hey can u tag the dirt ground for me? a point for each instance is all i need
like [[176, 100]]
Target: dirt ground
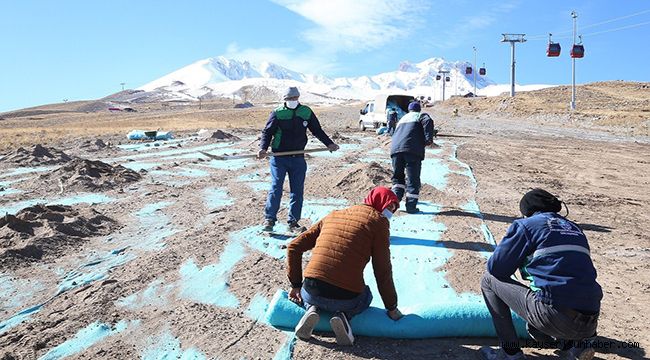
[[162, 228]]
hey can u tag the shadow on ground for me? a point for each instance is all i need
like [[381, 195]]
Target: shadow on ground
[[457, 348], [510, 219]]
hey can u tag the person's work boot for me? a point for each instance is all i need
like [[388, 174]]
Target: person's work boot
[[268, 225], [539, 336], [490, 353], [412, 210], [582, 350], [307, 323], [342, 330], [399, 192], [294, 227], [578, 353]]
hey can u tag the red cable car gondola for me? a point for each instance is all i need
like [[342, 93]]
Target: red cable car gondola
[[468, 70], [553, 49], [482, 70], [578, 51]]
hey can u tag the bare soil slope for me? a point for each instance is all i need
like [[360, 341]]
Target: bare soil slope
[[176, 225]]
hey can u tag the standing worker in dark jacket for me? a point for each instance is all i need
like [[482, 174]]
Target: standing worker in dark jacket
[[413, 133], [562, 301], [286, 130]]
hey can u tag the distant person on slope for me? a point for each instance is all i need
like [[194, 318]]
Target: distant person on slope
[[341, 245], [286, 130], [562, 302], [413, 133], [391, 120]]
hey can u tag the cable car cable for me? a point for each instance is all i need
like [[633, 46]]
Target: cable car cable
[[597, 32], [617, 29], [539, 37], [616, 19]]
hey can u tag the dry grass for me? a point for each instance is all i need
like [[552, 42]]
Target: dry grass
[[614, 103], [49, 128], [623, 105], [53, 123]]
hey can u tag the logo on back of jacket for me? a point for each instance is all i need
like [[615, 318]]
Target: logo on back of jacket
[[563, 226]]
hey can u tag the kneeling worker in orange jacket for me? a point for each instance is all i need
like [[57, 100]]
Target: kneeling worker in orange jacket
[[342, 243]]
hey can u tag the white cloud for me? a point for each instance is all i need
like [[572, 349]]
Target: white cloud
[[339, 26], [307, 62], [354, 26]]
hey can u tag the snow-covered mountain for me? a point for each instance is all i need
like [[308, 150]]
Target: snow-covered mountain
[[222, 77]]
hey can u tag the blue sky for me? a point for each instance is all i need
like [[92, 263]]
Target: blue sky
[[74, 49]]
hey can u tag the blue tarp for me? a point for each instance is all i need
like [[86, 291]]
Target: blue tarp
[[141, 135], [435, 320]]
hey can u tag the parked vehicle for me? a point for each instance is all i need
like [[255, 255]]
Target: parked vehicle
[[373, 115]]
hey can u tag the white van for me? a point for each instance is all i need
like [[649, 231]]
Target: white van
[[373, 115]]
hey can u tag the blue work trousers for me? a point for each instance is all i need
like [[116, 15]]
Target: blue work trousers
[[296, 168], [350, 307], [406, 178]]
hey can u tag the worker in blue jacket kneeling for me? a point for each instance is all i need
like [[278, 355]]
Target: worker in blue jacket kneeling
[[562, 301]]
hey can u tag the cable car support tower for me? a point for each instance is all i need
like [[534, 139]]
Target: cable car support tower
[[574, 15], [512, 39]]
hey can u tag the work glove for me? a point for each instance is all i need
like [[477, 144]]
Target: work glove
[[261, 154], [394, 314], [333, 147]]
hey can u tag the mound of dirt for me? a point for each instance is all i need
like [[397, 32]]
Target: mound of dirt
[[91, 146], [244, 105], [42, 231], [37, 155], [221, 135], [82, 174], [363, 177], [337, 137]]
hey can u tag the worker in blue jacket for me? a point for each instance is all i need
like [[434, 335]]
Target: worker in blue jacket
[[286, 130], [413, 133], [561, 304]]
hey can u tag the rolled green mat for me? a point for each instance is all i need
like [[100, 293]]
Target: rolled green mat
[[461, 319]]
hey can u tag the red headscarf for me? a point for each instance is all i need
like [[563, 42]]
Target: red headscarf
[[380, 197]]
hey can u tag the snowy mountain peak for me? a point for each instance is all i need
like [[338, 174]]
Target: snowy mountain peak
[[406, 66], [274, 71], [233, 69], [223, 77]]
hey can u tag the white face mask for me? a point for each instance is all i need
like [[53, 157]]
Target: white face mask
[[292, 104], [387, 214]]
